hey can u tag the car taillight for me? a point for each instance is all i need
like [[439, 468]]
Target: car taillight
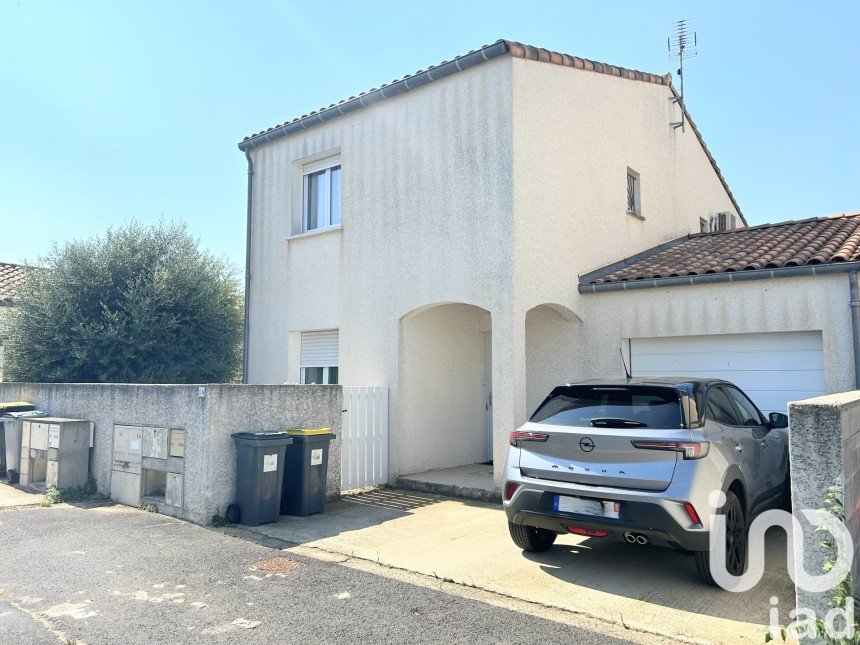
[[578, 530], [510, 489], [520, 435], [690, 449], [694, 516]]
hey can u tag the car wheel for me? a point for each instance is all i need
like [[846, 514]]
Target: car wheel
[[736, 542], [530, 538]]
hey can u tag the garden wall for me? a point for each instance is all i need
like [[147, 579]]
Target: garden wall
[[208, 415], [824, 450]]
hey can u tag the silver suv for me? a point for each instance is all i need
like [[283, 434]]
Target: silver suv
[[638, 459]]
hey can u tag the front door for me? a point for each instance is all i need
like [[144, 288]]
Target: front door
[[488, 393]]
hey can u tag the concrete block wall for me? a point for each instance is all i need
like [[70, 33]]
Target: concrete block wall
[[824, 450], [210, 456]]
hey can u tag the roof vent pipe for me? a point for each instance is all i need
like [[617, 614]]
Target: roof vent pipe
[[855, 324]]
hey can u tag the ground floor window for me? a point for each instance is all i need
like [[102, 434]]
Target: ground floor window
[[320, 375], [319, 357]]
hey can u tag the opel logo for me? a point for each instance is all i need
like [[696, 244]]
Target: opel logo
[[586, 444]]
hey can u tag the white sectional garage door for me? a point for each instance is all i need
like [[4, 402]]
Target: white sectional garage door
[[773, 368]]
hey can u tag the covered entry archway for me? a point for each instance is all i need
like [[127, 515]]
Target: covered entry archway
[[553, 351], [444, 388]]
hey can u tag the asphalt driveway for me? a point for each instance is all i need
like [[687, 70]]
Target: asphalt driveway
[[114, 574]]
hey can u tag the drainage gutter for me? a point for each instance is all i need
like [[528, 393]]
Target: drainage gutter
[[855, 324], [716, 278], [246, 334]]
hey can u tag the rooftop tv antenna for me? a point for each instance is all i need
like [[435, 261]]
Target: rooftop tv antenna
[[682, 44]]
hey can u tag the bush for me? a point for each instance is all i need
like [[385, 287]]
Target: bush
[[141, 304]]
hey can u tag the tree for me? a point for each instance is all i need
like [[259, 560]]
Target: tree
[[141, 304]]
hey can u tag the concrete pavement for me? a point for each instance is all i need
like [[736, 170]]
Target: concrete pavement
[[114, 574], [15, 496], [645, 588]]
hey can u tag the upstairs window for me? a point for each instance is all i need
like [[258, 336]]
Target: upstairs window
[[321, 195], [634, 204]]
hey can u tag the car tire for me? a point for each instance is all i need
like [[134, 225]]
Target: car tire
[[736, 542], [530, 538]]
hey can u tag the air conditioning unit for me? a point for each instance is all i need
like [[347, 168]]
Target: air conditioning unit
[[722, 221]]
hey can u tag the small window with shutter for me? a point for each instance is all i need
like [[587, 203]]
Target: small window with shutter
[[634, 204], [319, 357]]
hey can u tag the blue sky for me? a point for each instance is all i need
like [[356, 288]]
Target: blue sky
[[118, 110]]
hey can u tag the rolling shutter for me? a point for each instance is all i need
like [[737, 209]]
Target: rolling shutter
[[319, 348]]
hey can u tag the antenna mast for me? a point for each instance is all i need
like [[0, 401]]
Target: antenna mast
[[682, 44]]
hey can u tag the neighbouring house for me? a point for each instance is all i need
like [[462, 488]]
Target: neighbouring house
[[429, 235], [11, 277]]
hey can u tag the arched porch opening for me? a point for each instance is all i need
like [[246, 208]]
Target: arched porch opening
[[444, 388], [553, 352]]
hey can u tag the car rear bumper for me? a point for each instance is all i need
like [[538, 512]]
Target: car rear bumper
[[531, 506]]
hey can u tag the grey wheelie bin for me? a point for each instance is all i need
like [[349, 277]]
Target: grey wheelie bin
[[260, 475], [306, 472], [11, 415]]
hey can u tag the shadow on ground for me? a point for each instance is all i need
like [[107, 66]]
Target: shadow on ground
[[350, 513], [668, 578]]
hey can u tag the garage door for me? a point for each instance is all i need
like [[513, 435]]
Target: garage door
[[772, 368]]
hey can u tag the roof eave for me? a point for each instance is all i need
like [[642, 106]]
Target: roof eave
[[714, 278], [368, 98], [476, 57]]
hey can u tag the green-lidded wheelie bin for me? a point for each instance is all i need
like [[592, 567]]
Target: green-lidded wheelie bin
[[306, 471], [260, 475]]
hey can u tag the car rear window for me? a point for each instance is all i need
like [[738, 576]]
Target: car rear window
[[612, 406]]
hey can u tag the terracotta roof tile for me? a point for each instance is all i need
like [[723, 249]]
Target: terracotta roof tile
[[824, 240], [11, 277]]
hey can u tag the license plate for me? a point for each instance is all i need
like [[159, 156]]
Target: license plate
[[567, 504]]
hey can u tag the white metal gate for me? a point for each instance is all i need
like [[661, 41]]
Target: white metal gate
[[364, 441]]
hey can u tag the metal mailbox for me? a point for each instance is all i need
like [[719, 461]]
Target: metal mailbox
[[55, 452]]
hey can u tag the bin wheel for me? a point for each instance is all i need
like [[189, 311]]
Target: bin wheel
[[12, 476], [233, 513]]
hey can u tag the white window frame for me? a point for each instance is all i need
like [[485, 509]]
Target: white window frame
[[326, 373], [326, 165], [637, 193]]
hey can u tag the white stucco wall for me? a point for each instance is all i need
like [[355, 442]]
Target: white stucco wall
[[787, 304], [575, 135], [494, 187], [426, 210]]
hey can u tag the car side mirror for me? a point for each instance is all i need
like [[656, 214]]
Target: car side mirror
[[778, 420]]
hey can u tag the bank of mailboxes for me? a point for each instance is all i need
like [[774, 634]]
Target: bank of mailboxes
[[55, 452], [148, 466]]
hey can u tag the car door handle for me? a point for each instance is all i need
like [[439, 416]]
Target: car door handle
[[739, 447]]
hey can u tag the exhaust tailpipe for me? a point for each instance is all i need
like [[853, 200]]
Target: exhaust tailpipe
[[630, 537], [635, 538], [641, 539]]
